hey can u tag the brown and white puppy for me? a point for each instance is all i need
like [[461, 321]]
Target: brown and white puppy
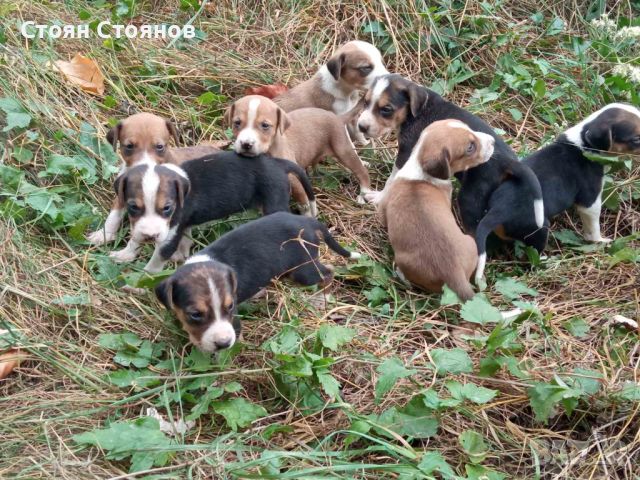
[[143, 138], [304, 136], [430, 249], [353, 67]]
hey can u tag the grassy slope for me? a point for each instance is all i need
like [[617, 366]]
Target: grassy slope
[[62, 390]]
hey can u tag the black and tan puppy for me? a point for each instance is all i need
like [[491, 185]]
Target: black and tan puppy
[[143, 138], [395, 103], [165, 201], [204, 292], [567, 177]]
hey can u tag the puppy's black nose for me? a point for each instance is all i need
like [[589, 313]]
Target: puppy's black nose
[[149, 238], [222, 344], [363, 128], [246, 145]]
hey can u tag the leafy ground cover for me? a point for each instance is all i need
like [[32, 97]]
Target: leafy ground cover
[[372, 381]]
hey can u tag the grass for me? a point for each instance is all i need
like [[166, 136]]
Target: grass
[[375, 381]]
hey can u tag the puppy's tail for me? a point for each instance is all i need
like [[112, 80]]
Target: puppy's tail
[[291, 167], [333, 244], [530, 182], [492, 220]]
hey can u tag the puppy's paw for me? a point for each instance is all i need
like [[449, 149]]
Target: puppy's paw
[[597, 238], [360, 140], [373, 197], [124, 255], [360, 200], [365, 163], [480, 282], [179, 256], [133, 290], [100, 237]]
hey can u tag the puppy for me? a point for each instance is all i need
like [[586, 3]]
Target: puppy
[[335, 86], [304, 136], [567, 177], [204, 292], [395, 103], [143, 138], [165, 201], [430, 249]]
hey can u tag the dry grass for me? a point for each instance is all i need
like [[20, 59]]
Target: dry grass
[[61, 390]]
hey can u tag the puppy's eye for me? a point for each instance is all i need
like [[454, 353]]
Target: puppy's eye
[[365, 70], [128, 148], [386, 111], [133, 209], [159, 148], [471, 148], [195, 317], [167, 210], [265, 126], [635, 140], [230, 306], [237, 123]]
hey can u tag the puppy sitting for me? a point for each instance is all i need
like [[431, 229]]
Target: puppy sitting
[[304, 136], [567, 177], [165, 201], [144, 138], [204, 292], [396, 103], [430, 249]]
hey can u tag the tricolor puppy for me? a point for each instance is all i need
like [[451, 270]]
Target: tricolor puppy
[[567, 176], [204, 292], [165, 201], [143, 138], [430, 249], [395, 103], [304, 136], [335, 86]]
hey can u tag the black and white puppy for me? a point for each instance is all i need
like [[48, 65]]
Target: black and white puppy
[[567, 177], [165, 201], [396, 103], [204, 292]]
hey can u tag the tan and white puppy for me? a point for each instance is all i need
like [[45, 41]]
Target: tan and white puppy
[[304, 136], [143, 138], [354, 66], [430, 249]]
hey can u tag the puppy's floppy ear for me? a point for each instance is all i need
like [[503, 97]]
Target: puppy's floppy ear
[[228, 115], [598, 136], [283, 121], [183, 185], [438, 167], [418, 96], [113, 135], [233, 281], [164, 292], [120, 186], [334, 65], [173, 130]]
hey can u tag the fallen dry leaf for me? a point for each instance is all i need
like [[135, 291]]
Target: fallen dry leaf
[[9, 360], [269, 91], [83, 72]]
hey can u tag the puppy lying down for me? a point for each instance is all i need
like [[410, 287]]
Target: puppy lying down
[[204, 292]]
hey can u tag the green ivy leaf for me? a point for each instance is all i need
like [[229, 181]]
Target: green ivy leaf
[[473, 445], [334, 336], [479, 310], [588, 381], [238, 412], [630, 391], [478, 472], [449, 297], [17, 120], [204, 401], [22, 155], [577, 327], [329, 384], [117, 341], [454, 360], [415, 421], [391, 370], [512, 289], [435, 462], [470, 391], [544, 397], [133, 378], [140, 439]]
